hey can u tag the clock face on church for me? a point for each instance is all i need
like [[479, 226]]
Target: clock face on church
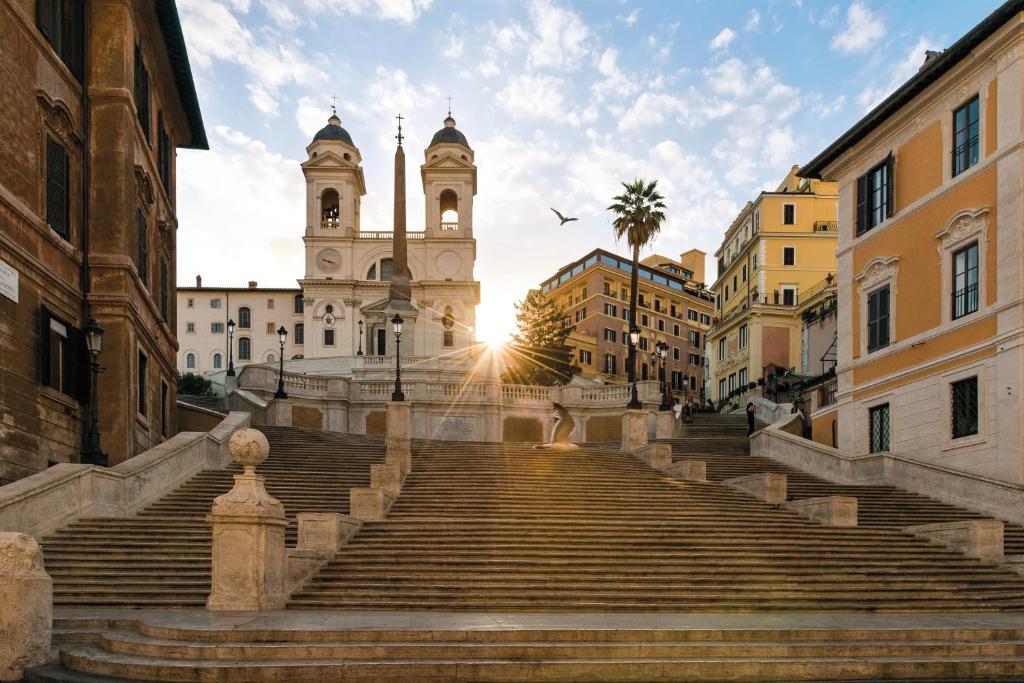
[[328, 260]]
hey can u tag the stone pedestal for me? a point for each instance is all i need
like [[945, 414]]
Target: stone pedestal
[[249, 569], [767, 486], [634, 430], [398, 436], [370, 504], [976, 537], [325, 531], [26, 606], [665, 424], [689, 470], [387, 476], [828, 510], [657, 455]]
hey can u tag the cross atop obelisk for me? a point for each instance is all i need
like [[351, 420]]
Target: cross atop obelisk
[[400, 288]]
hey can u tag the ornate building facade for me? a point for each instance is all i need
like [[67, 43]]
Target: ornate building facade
[[94, 99], [349, 270]]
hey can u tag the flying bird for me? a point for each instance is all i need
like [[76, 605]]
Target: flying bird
[[563, 218]]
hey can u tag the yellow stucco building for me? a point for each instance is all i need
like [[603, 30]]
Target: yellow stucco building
[[778, 251], [930, 260]]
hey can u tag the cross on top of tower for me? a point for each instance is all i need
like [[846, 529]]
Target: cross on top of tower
[[334, 103], [399, 136], [450, 98]]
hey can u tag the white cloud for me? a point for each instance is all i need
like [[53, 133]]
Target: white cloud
[[722, 40], [753, 20], [488, 68], [824, 109], [560, 36], [899, 73], [509, 37], [615, 82], [631, 18], [653, 109], [281, 14], [310, 116], [271, 62], [404, 11], [454, 47], [863, 29], [535, 96], [261, 233]]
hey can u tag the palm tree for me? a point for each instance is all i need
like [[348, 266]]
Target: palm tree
[[638, 214]]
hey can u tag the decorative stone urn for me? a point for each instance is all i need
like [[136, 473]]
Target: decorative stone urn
[[26, 606], [249, 561]]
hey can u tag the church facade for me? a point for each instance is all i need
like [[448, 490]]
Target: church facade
[[346, 291]]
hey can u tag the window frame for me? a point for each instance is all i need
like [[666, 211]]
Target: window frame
[[790, 250], [866, 210], [883, 408], [792, 207], [967, 155], [965, 291], [878, 345], [965, 387]]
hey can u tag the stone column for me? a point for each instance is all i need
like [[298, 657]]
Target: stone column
[[398, 436], [248, 536], [634, 430], [665, 424], [26, 606]]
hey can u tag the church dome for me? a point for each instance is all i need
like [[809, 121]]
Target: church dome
[[449, 134], [334, 131]]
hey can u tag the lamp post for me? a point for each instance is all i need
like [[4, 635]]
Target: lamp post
[[666, 397], [231, 344], [93, 454], [282, 336], [359, 351], [634, 339], [397, 394]]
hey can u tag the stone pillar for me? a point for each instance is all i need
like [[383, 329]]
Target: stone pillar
[[828, 510], [26, 606], [248, 570], [634, 430], [398, 435], [665, 424], [689, 470], [975, 537], [767, 486]]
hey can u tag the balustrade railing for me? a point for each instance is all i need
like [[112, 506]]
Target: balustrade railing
[[387, 235], [446, 225]]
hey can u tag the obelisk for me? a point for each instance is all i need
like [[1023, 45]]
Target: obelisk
[[400, 288]]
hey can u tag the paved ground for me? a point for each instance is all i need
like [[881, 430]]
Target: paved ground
[[321, 620]]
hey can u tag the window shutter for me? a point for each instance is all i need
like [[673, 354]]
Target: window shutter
[[44, 346], [862, 204], [45, 17], [74, 37], [57, 187], [890, 163]]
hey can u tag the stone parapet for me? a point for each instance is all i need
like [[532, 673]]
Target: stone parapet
[[370, 504], [657, 455], [387, 476], [981, 538], [840, 511], [634, 430], [688, 470], [665, 424], [767, 486], [26, 606]]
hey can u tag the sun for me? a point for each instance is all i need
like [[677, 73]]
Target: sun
[[493, 338]]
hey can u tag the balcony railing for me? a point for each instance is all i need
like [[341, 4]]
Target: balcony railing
[[826, 226], [330, 223], [387, 235], [449, 225], [827, 393]]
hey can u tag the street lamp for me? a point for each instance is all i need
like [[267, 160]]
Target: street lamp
[[359, 351], [397, 394], [93, 454], [666, 397], [634, 339], [231, 344], [282, 337]]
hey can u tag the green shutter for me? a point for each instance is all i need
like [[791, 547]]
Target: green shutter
[[862, 204], [57, 187]]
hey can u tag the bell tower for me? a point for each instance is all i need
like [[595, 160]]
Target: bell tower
[[334, 182], [449, 184]]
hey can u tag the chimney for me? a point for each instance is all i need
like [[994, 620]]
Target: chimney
[[929, 55], [199, 280], [252, 284]]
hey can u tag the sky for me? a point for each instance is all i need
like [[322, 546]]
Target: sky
[[560, 100]]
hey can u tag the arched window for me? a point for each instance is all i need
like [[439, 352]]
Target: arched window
[[385, 269], [299, 307], [217, 361], [329, 215], [190, 361], [299, 336], [448, 323], [449, 210], [244, 318], [244, 348]]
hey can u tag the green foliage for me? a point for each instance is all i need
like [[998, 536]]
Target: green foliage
[[638, 213], [193, 384], [538, 353]]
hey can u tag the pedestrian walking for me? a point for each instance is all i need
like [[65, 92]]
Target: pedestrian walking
[[750, 418]]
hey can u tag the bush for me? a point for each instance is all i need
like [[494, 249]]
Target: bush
[[193, 384]]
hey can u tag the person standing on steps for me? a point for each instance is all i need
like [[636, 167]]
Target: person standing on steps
[[750, 418]]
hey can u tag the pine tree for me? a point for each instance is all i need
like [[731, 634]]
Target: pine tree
[[538, 353]]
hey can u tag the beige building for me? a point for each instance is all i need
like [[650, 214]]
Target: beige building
[[675, 308], [348, 270], [778, 251], [257, 312]]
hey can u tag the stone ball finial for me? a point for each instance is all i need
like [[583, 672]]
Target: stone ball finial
[[249, 447]]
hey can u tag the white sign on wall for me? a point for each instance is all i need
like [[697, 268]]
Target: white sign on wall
[[8, 282]]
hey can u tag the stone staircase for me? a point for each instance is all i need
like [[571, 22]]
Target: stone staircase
[[160, 558], [506, 527], [721, 441], [439, 647]]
